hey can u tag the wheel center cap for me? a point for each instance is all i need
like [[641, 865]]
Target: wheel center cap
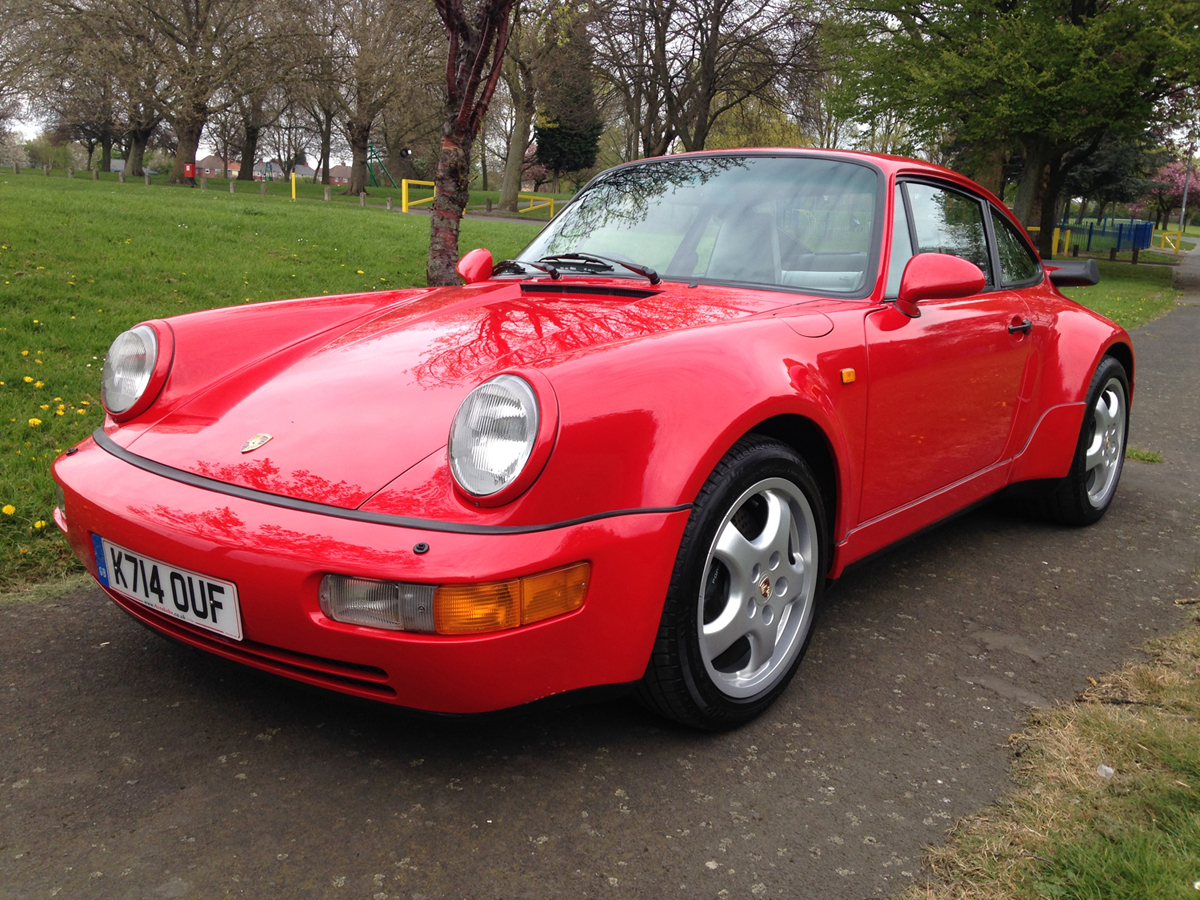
[[764, 588]]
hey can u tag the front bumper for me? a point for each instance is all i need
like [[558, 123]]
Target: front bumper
[[277, 557]]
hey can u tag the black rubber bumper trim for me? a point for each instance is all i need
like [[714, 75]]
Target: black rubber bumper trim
[[323, 509]]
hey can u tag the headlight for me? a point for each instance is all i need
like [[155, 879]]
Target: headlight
[[128, 367], [493, 434]]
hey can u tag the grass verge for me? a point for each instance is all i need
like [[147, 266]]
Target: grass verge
[[81, 261], [1129, 295], [1109, 799], [1146, 456]]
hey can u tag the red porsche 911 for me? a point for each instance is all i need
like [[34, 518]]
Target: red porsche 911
[[630, 458]]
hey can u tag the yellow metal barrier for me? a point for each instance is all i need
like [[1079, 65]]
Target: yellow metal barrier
[[405, 203], [546, 201], [1171, 239], [1033, 231]]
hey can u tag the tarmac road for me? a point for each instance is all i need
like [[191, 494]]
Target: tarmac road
[[130, 767]]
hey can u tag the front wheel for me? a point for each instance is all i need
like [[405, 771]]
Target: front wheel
[[740, 605], [1084, 495]]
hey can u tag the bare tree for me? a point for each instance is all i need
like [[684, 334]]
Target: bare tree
[[477, 31], [680, 65]]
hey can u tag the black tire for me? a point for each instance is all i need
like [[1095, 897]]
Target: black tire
[[743, 583], [1084, 495]]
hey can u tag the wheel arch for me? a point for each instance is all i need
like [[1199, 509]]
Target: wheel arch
[[812, 444], [1123, 353]]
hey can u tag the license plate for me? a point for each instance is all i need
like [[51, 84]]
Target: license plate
[[197, 599]]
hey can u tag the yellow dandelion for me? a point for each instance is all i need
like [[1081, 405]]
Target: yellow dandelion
[[39, 524], [45, 406], [24, 550], [38, 361], [85, 403], [24, 352], [28, 380], [58, 412], [80, 412], [8, 509], [34, 423], [58, 399], [361, 272], [39, 384]]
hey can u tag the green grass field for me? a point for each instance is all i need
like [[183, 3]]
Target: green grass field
[[81, 261], [1129, 295]]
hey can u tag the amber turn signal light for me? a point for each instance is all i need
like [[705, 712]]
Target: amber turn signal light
[[479, 608], [553, 593]]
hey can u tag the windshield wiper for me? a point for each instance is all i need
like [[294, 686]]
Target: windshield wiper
[[603, 261], [518, 267]]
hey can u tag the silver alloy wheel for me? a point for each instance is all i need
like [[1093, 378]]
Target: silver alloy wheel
[[1106, 449], [756, 595]]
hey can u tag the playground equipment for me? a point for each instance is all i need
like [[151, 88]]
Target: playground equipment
[[373, 157]]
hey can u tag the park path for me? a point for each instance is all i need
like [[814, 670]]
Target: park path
[[133, 768]]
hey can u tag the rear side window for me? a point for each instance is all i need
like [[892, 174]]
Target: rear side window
[[946, 221], [1017, 264]]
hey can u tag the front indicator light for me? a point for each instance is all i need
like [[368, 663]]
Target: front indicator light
[[475, 608], [553, 593], [454, 608]]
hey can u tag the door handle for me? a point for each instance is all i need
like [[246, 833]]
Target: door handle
[[1025, 326]]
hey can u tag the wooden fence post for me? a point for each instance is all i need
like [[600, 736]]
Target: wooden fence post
[[203, 183], [389, 204], [233, 185], [70, 171], [328, 193], [147, 179], [121, 177], [46, 171], [16, 168], [262, 187], [362, 198], [95, 174]]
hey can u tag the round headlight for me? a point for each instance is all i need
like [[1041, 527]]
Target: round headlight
[[493, 435], [128, 367]]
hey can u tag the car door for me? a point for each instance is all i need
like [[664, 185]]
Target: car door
[[944, 386]]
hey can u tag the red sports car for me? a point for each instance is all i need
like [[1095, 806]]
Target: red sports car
[[629, 458]]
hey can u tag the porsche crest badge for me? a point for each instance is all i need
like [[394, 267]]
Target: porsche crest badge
[[765, 588], [255, 442]]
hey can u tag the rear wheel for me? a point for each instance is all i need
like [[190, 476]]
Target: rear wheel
[[740, 605], [1085, 494]]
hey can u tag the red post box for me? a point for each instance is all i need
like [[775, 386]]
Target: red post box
[[189, 170]]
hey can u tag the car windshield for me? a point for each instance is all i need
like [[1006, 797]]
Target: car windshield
[[795, 222]]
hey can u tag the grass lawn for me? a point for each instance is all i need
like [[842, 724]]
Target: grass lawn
[[81, 261], [1129, 295]]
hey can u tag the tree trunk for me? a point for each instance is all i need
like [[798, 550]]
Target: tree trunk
[[483, 154], [1047, 223], [137, 152], [358, 136], [520, 89], [1029, 185], [1083, 205], [448, 206], [249, 151], [106, 154], [326, 141], [188, 129]]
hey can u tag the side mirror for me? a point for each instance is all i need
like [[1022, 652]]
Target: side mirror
[[476, 266], [937, 276]]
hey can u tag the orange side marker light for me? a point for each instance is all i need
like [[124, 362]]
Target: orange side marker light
[[847, 376]]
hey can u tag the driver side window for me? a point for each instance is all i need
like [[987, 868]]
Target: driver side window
[[946, 221]]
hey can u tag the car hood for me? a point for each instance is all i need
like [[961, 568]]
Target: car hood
[[355, 411]]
